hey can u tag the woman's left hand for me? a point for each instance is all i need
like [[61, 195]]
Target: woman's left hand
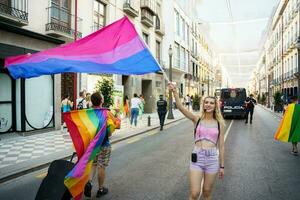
[[221, 173]]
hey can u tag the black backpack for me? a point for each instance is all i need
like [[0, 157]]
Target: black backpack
[[80, 104]]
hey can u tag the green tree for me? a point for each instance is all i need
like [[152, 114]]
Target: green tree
[[106, 86], [277, 101]]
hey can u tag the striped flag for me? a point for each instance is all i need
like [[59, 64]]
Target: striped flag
[[87, 129], [114, 49], [289, 129]]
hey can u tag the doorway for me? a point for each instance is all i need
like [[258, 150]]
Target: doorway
[[147, 93]]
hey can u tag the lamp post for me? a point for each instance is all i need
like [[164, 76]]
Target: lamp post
[[170, 113], [298, 74]]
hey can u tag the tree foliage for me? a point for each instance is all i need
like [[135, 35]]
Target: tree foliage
[[106, 87]]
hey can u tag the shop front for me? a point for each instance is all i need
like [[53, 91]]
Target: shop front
[[27, 105]]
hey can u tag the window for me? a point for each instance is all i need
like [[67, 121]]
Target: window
[[99, 16], [146, 38], [182, 58], [60, 12], [183, 28], [177, 23], [177, 56], [158, 51]]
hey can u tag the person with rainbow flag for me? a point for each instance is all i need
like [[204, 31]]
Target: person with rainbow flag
[[289, 128], [89, 130], [102, 159]]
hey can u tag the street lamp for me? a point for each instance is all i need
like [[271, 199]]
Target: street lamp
[[170, 114], [298, 74]]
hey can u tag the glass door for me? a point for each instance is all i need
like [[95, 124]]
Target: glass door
[[6, 103]]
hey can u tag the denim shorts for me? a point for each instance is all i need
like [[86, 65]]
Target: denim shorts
[[207, 160]]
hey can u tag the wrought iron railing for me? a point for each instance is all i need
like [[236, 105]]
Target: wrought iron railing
[[16, 8], [60, 20]]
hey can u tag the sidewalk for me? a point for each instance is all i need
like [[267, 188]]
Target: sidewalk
[[19, 155], [278, 114]]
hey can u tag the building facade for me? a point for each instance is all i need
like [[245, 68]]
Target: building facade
[[281, 52], [26, 28], [26, 104]]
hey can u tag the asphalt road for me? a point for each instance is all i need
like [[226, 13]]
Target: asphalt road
[[155, 166]]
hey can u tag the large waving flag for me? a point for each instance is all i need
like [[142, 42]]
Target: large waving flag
[[289, 129], [87, 129], [114, 49]]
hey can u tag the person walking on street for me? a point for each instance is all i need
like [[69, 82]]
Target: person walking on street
[[294, 144], [142, 106], [161, 110], [88, 100], [81, 101], [102, 159], [135, 104], [126, 107], [206, 160], [66, 104], [250, 104]]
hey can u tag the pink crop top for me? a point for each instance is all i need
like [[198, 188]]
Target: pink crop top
[[207, 133]]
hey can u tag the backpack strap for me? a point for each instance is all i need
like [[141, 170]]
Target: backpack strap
[[219, 131], [196, 127]]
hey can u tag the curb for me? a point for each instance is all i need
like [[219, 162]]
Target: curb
[[278, 115], [24, 171]]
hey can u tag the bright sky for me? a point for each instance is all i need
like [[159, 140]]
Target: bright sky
[[228, 39]]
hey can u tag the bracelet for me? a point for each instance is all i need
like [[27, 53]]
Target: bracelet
[[221, 167]]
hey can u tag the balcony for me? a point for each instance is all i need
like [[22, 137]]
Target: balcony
[[129, 9], [149, 5], [147, 18], [159, 27], [61, 23], [14, 11]]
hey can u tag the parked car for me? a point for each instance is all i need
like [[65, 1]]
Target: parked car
[[232, 102]]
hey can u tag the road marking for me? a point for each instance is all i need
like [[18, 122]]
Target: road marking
[[226, 134], [42, 175], [152, 133], [133, 140]]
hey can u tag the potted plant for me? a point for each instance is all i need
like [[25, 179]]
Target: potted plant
[[277, 101]]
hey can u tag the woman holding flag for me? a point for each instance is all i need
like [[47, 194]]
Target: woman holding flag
[[206, 160]]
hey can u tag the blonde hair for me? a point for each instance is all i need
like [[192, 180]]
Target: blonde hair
[[88, 97], [217, 112]]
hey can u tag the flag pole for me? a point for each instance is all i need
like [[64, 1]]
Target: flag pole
[[75, 74]]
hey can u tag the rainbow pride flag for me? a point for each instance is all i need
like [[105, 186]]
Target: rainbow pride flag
[[289, 129], [87, 129], [114, 49]]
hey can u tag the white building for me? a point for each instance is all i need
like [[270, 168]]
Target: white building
[[281, 51]]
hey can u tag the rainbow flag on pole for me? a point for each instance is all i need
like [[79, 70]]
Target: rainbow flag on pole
[[289, 129], [87, 129], [114, 49]]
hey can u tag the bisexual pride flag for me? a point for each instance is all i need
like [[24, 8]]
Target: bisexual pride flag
[[114, 49], [87, 129], [289, 129]]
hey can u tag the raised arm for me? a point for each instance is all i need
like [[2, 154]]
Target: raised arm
[[182, 109]]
